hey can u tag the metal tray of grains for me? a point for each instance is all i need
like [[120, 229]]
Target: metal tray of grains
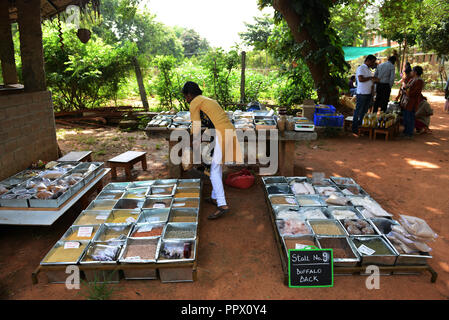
[[285, 209], [102, 205], [279, 189], [112, 233], [110, 195], [282, 200], [157, 203], [176, 231], [9, 199], [58, 255], [297, 242], [343, 212], [173, 251], [327, 227], [51, 203], [271, 180], [140, 251], [310, 201], [184, 215], [384, 253], [132, 204], [162, 191], [117, 186], [190, 192], [186, 203], [89, 217], [146, 230], [344, 253], [141, 184], [123, 216], [154, 215], [307, 213], [327, 191], [352, 190], [323, 183], [343, 181], [136, 193], [72, 233], [293, 228]]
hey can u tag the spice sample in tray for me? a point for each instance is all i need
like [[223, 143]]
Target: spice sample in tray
[[148, 230], [157, 203], [187, 193], [283, 200], [188, 184], [183, 216], [92, 217], [298, 243], [358, 227], [110, 233], [185, 204], [373, 243], [340, 247], [62, 254], [138, 193], [123, 216], [179, 232], [102, 205], [162, 190], [110, 195], [82, 233], [141, 250], [330, 228]]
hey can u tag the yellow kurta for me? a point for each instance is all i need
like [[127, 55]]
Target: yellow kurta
[[221, 123]]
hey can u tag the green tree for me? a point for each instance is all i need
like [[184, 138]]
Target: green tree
[[434, 27], [319, 45], [257, 33], [193, 43]]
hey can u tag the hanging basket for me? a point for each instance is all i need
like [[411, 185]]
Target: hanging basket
[[83, 35]]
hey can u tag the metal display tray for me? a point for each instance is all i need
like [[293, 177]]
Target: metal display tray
[[280, 223], [277, 208], [51, 203], [103, 245], [299, 238], [284, 189], [303, 211], [159, 195], [61, 244], [116, 186], [274, 179], [180, 226], [138, 191], [136, 226], [98, 238], [342, 180], [177, 201], [128, 204], [140, 184], [330, 209], [298, 179], [190, 211], [181, 242], [362, 192], [122, 258], [162, 182], [14, 203], [344, 262], [319, 202], [149, 202], [324, 183], [404, 259], [387, 260], [154, 215], [71, 230], [370, 223], [383, 225], [183, 181], [110, 195], [311, 222], [293, 200], [102, 205], [92, 213]]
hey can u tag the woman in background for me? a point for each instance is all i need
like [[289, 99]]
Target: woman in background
[[412, 98], [405, 78], [446, 95]]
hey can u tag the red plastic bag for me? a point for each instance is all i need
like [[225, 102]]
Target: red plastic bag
[[242, 179]]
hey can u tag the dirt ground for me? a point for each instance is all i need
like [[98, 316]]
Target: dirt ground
[[238, 257]]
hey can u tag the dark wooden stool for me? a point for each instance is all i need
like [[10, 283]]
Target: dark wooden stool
[[77, 156], [366, 130], [388, 132], [127, 160]]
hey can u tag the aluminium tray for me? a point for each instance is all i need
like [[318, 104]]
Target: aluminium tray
[[154, 215], [102, 205], [298, 179], [303, 199], [150, 202], [123, 228], [298, 238], [92, 246], [160, 259], [274, 179], [385, 259], [128, 204], [376, 232], [279, 226], [155, 187], [136, 193], [140, 225], [278, 189], [342, 180], [51, 203], [129, 242], [180, 202], [404, 259], [59, 244], [140, 184], [103, 215], [180, 226], [331, 209], [362, 192], [312, 222], [290, 200], [346, 262], [74, 229], [116, 186], [189, 212], [109, 195]]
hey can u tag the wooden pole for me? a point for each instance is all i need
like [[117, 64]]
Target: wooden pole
[[9, 70], [31, 50], [143, 94], [242, 78]]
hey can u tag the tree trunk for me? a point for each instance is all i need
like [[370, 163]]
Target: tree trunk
[[9, 71], [242, 78], [327, 92], [143, 94]]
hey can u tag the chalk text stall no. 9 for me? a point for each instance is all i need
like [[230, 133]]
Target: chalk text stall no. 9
[[310, 268]]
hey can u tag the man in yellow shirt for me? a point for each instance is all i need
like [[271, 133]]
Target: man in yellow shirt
[[226, 148]]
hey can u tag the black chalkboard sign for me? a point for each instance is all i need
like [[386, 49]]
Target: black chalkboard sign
[[310, 268]]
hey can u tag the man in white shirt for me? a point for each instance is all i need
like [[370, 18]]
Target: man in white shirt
[[385, 72], [365, 80]]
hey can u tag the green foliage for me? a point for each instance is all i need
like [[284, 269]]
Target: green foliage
[[83, 75], [97, 290], [434, 29], [193, 43], [257, 34]]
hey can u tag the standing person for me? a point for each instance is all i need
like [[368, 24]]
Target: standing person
[[352, 87], [412, 98], [223, 143], [446, 95], [385, 72], [405, 78], [365, 81]]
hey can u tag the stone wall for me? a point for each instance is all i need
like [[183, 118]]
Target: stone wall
[[27, 131]]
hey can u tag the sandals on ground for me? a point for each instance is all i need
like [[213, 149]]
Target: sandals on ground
[[211, 201], [221, 212]]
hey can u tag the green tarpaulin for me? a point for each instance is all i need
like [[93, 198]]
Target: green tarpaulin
[[352, 53]]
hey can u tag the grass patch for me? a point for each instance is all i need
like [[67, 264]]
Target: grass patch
[[100, 152], [87, 140], [158, 147], [97, 290]]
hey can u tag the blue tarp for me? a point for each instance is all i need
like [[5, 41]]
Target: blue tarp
[[352, 53]]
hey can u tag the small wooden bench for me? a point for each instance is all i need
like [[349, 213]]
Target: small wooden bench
[[389, 132], [127, 160], [77, 156], [366, 130]]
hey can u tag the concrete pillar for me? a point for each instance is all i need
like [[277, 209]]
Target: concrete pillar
[[31, 50], [9, 70]]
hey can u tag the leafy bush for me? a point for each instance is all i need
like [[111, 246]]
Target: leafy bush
[[83, 75]]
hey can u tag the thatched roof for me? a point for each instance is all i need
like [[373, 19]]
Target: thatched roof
[[49, 8]]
